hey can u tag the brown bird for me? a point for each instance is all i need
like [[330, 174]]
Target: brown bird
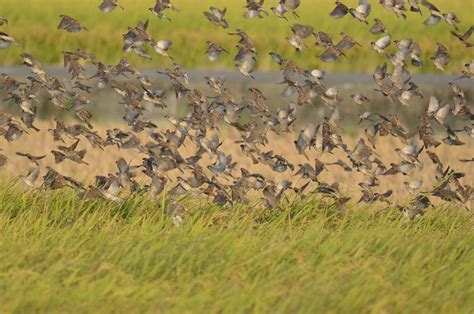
[[369, 196], [359, 99], [214, 51], [6, 40], [70, 24], [464, 38], [31, 158], [3, 160]]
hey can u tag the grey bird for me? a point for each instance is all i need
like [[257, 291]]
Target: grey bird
[[413, 186], [381, 44], [331, 53], [160, 7], [255, 9], [217, 17], [346, 42], [395, 6], [414, 6], [362, 11], [416, 208], [452, 139], [435, 14], [31, 177], [109, 5], [280, 10], [291, 6], [161, 47], [378, 27], [339, 11], [441, 57]]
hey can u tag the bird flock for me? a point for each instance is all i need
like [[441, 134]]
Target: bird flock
[[157, 150]]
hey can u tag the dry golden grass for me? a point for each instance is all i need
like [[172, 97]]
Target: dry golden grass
[[103, 162]]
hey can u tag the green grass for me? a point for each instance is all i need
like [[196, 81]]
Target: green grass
[[59, 253], [34, 23]]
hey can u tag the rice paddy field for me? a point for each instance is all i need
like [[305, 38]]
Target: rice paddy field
[[34, 24], [60, 254]]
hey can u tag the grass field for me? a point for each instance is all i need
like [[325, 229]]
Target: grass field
[[34, 24], [59, 253]]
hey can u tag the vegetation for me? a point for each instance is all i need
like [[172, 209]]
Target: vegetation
[[59, 253], [34, 24]]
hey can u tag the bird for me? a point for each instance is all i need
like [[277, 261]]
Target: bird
[[395, 6], [161, 47], [214, 51], [381, 44], [339, 11], [33, 159], [6, 40], [331, 53], [3, 160], [362, 11], [378, 27], [291, 6], [359, 99], [160, 7], [255, 9], [416, 208], [31, 177], [70, 24], [464, 37], [441, 57], [108, 6], [217, 17], [346, 42]]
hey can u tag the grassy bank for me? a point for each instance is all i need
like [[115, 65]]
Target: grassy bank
[[34, 24], [59, 253]]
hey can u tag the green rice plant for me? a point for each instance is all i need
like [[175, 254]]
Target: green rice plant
[[60, 253]]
